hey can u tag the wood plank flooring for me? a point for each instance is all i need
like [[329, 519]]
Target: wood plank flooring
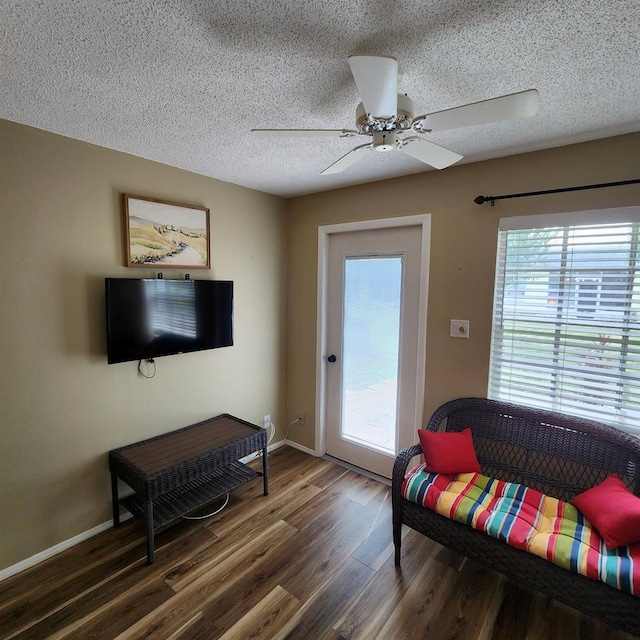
[[312, 561]]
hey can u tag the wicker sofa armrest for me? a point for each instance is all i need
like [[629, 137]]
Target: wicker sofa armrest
[[399, 470], [402, 462]]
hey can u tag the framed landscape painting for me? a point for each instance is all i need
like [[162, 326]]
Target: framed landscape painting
[[165, 234]]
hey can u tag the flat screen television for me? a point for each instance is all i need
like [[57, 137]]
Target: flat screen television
[[152, 318]]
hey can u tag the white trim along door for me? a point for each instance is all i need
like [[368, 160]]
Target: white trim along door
[[373, 279]]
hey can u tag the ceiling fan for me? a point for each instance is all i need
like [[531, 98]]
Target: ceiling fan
[[386, 117]]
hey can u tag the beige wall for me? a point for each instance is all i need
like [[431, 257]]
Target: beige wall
[[62, 408], [463, 246]]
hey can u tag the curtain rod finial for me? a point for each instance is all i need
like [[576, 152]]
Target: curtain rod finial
[[480, 200]]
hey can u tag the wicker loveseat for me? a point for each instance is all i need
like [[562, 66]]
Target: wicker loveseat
[[556, 454]]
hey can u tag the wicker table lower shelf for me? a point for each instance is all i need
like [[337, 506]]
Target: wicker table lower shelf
[[178, 472], [178, 502]]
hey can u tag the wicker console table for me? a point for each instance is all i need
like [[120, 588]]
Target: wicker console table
[[178, 472]]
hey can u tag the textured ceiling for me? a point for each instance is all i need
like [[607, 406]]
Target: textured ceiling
[[183, 81]]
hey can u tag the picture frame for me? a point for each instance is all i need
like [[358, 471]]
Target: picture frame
[[161, 233]]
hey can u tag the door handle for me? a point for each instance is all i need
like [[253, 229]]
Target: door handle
[[331, 359]]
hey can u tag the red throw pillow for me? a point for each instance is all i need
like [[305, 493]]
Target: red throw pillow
[[612, 510], [449, 452]]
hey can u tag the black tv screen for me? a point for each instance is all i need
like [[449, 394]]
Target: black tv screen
[[151, 318]]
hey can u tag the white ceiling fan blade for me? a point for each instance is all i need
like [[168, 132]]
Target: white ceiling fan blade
[[347, 160], [429, 152], [510, 107], [377, 81], [288, 133]]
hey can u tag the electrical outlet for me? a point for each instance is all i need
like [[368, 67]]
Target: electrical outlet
[[266, 421]]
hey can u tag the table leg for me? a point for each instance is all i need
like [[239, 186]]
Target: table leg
[[150, 532], [265, 471], [114, 500]]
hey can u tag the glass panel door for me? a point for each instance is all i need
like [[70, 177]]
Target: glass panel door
[[375, 319], [372, 302]]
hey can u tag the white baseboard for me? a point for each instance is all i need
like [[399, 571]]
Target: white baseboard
[[58, 548], [256, 454], [81, 537], [300, 447], [277, 445]]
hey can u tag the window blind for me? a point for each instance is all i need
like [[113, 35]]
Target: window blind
[[566, 320]]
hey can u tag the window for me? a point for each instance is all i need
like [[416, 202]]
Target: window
[[566, 319]]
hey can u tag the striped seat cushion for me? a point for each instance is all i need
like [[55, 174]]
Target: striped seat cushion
[[423, 487], [528, 520], [470, 499], [516, 515], [465, 497]]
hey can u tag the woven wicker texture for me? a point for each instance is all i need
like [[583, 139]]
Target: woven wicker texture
[[158, 465], [192, 496], [178, 472], [557, 454]]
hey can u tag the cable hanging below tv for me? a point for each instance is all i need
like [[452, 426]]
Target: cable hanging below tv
[[151, 318]]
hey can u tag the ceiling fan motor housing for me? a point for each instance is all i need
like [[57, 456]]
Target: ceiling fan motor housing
[[368, 125]]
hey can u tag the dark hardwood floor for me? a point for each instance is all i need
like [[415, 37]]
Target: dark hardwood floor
[[313, 560]]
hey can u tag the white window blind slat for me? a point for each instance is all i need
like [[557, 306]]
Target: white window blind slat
[[566, 320]]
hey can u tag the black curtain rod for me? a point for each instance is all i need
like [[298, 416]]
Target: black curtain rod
[[492, 199]]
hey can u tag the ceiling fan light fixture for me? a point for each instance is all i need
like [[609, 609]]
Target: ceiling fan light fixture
[[384, 141]]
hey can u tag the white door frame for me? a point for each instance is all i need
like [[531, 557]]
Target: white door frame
[[324, 233]]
